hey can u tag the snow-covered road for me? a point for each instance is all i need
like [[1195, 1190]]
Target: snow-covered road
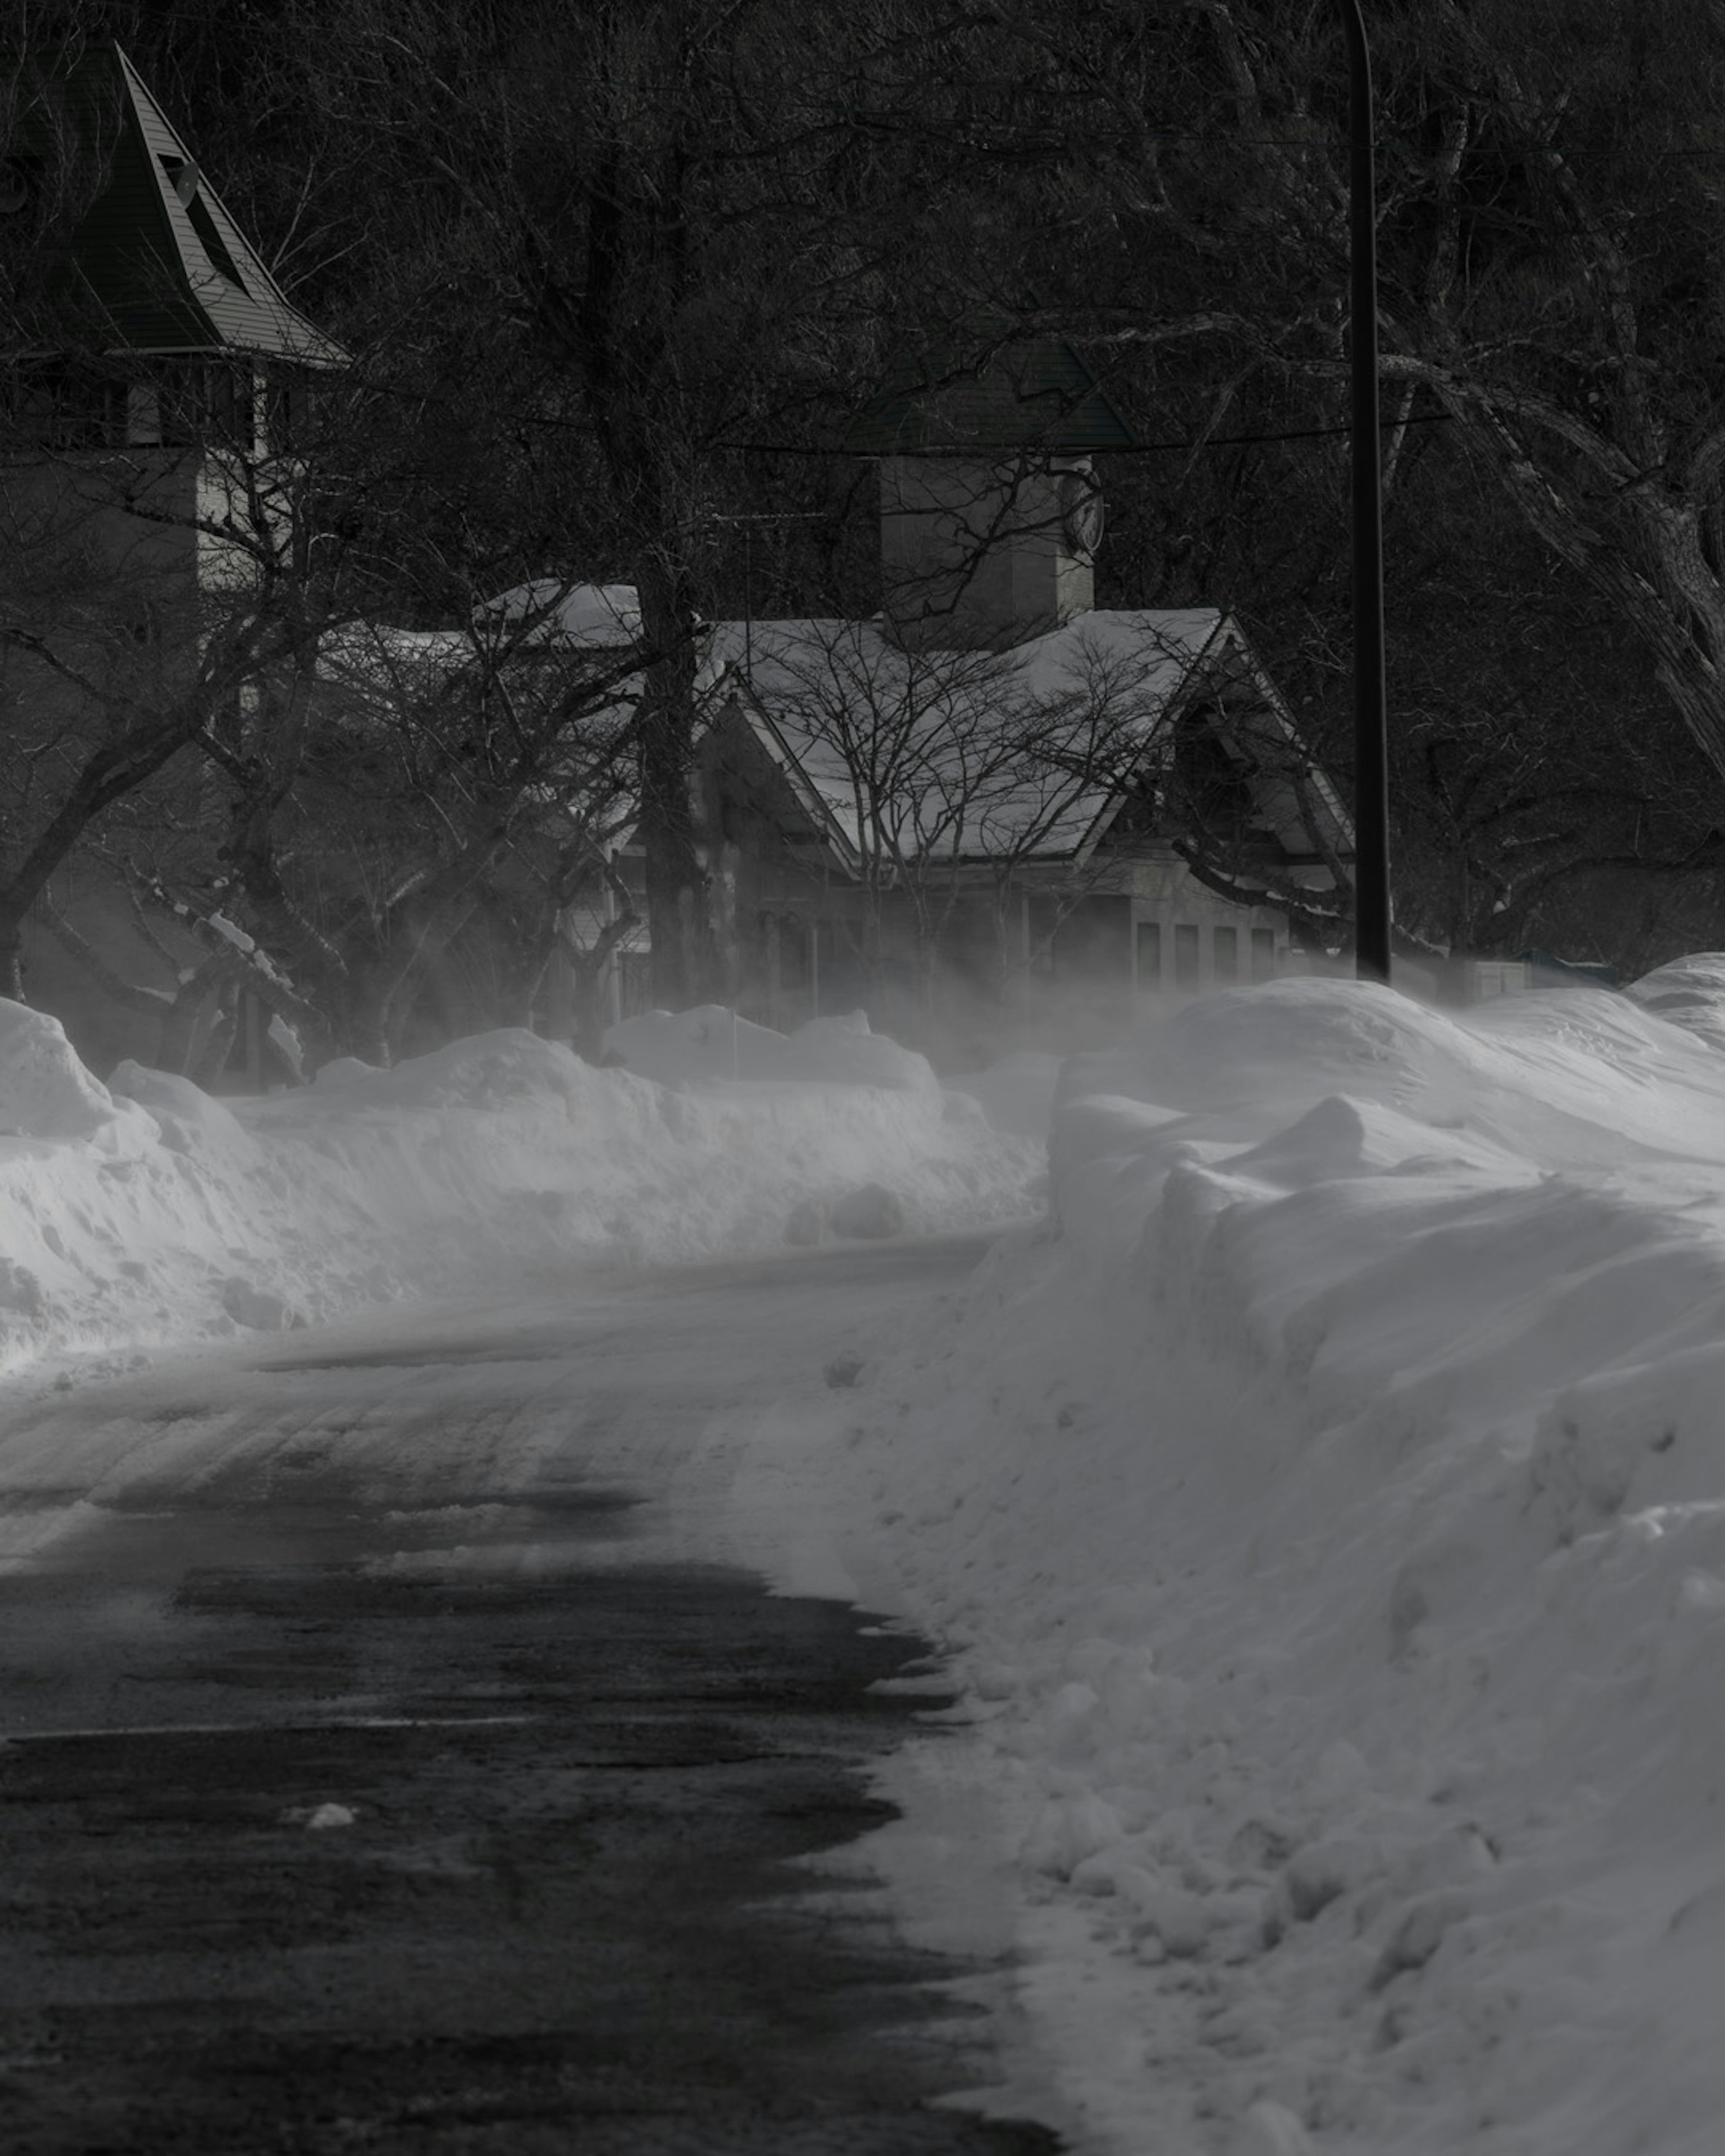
[[709, 1392], [455, 1596], [1318, 1498]]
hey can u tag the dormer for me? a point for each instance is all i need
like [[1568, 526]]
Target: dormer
[[157, 323], [991, 512]]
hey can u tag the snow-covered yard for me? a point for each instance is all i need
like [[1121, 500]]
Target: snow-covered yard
[[1324, 1503]]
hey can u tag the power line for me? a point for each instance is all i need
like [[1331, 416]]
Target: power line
[[1126, 450]]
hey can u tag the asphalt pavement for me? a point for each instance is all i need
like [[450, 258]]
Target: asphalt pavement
[[376, 1777]]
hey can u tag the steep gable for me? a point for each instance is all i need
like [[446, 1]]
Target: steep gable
[[910, 754], [156, 263]]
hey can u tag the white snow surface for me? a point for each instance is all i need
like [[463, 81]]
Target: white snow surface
[[144, 1213], [1326, 1508], [1324, 1505]]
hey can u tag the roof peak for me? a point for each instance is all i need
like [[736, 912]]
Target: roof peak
[[156, 263]]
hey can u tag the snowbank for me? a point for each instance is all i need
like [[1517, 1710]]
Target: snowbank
[[683, 1047], [144, 1212], [1329, 1507]]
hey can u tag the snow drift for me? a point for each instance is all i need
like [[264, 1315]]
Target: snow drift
[[1328, 1506], [144, 1212]]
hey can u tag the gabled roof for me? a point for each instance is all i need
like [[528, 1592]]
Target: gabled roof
[[156, 263], [551, 614], [891, 751], [994, 392]]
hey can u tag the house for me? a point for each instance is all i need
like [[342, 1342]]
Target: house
[[992, 798]]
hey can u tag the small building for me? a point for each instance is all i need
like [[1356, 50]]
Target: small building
[[163, 370], [156, 397]]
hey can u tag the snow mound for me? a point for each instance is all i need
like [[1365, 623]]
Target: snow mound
[[694, 1046], [151, 1213], [1016, 1094], [586, 615], [189, 1120], [485, 1070], [1264, 1052], [45, 1092], [1329, 1513], [1689, 993]]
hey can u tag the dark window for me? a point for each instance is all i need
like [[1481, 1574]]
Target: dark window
[[184, 180], [205, 401], [1094, 941], [288, 407], [1263, 954], [1042, 924], [1148, 940], [1224, 953], [794, 939], [1211, 791], [1137, 818], [68, 404], [1185, 955], [233, 412], [829, 967]]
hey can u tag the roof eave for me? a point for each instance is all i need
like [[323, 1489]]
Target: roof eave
[[809, 796]]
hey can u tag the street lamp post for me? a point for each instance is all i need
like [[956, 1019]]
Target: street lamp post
[[1371, 751]]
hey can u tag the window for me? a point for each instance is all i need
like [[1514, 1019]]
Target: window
[[1147, 954], [143, 414], [1042, 921], [1212, 791], [792, 933], [288, 410], [68, 404], [1263, 954], [1224, 953], [185, 181], [820, 958], [202, 401], [1185, 955]]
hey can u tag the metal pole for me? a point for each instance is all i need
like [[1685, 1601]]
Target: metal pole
[[1371, 748]]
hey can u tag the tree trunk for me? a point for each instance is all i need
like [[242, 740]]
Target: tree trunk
[[679, 908], [11, 956]]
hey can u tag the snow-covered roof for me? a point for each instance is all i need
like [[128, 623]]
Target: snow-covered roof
[[548, 611], [980, 754], [548, 615]]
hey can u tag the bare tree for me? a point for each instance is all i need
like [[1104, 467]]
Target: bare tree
[[119, 651], [439, 779], [955, 781]]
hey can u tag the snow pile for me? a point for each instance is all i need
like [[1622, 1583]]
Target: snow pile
[[681, 1047], [1328, 1505], [145, 1211], [549, 612], [1017, 1093]]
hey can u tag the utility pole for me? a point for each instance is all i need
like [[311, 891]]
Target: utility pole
[[1371, 743]]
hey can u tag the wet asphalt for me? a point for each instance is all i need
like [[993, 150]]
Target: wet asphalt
[[311, 1843]]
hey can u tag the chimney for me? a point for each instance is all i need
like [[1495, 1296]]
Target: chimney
[[980, 555], [990, 510]]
